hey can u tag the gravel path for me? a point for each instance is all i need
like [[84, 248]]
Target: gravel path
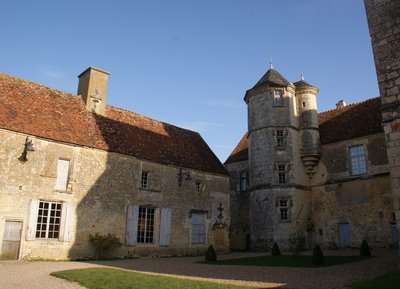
[[35, 275]]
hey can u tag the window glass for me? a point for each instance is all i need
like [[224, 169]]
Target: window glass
[[145, 229], [357, 160], [49, 220]]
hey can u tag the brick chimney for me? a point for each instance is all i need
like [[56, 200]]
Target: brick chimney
[[341, 103], [92, 88]]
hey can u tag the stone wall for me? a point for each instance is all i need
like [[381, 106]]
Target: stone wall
[[99, 190], [384, 26], [239, 232], [361, 201]]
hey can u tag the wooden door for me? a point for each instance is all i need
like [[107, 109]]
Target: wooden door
[[11, 240], [344, 235]]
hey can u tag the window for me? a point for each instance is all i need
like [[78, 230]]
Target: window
[[357, 160], [145, 227], [145, 180], [280, 139], [198, 228], [199, 186], [48, 220], [284, 210], [62, 175], [243, 181], [278, 97], [282, 173]]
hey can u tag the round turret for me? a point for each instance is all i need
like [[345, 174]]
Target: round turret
[[306, 95]]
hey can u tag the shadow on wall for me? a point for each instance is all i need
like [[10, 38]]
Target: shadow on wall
[[115, 180]]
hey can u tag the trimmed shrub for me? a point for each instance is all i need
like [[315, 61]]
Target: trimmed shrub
[[211, 256], [297, 243], [318, 257], [103, 243], [275, 250], [365, 250]]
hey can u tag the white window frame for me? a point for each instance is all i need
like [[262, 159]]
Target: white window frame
[[357, 160], [146, 225], [37, 225], [278, 97], [198, 186]]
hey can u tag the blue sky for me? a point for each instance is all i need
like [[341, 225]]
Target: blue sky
[[189, 63]]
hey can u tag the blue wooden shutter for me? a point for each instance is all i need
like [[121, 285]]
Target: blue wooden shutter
[[165, 227], [131, 225]]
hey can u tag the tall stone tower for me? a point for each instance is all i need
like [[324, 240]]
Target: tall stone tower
[[384, 27], [283, 142]]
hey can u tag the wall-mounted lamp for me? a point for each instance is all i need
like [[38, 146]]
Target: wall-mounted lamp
[[183, 177], [28, 146]]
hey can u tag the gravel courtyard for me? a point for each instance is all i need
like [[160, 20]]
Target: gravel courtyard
[[35, 275]]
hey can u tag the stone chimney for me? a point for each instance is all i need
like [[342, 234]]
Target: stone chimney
[[92, 88], [341, 103]]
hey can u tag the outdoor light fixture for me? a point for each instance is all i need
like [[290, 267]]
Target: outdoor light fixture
[[28, 146], [183, 177]]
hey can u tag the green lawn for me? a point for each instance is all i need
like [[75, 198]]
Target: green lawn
[[386, 281], [105, 278], [288, 261]]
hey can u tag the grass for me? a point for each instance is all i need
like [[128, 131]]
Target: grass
[[105, 278], [386, 281], [288, 261]]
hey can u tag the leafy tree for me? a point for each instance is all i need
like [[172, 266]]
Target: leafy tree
[[297, 243], [103, 243]]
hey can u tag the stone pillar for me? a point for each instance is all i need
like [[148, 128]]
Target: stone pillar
[[384, 27]]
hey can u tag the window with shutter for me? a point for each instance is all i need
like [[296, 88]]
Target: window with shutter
[[198, 228], [62, 175], [165, 226]]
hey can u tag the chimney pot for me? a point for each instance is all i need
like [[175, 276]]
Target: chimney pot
[[341, 103]]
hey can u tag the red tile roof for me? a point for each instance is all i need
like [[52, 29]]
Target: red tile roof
[[351, 121], [37, 110]]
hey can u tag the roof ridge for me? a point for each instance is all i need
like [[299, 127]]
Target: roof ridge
[[38, 84], [350, 104], [150, 118]]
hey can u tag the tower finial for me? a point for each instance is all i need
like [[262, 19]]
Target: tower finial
[[270, 63], [302, 76]]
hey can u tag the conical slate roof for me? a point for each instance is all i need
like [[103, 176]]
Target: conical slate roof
[[302, 83], [272, 77]]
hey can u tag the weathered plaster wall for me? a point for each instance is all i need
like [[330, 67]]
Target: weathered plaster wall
[[362, 201], [100, 187], [239, 232]]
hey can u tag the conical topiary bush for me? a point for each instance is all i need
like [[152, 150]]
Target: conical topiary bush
[[365, 250], [211, 256], [318, 257], [275, 250]]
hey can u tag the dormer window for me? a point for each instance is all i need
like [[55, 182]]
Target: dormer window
[[278, 97]]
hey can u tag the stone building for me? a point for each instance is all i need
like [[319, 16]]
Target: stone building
[[384, 26], [71, 166], [324, 175]]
